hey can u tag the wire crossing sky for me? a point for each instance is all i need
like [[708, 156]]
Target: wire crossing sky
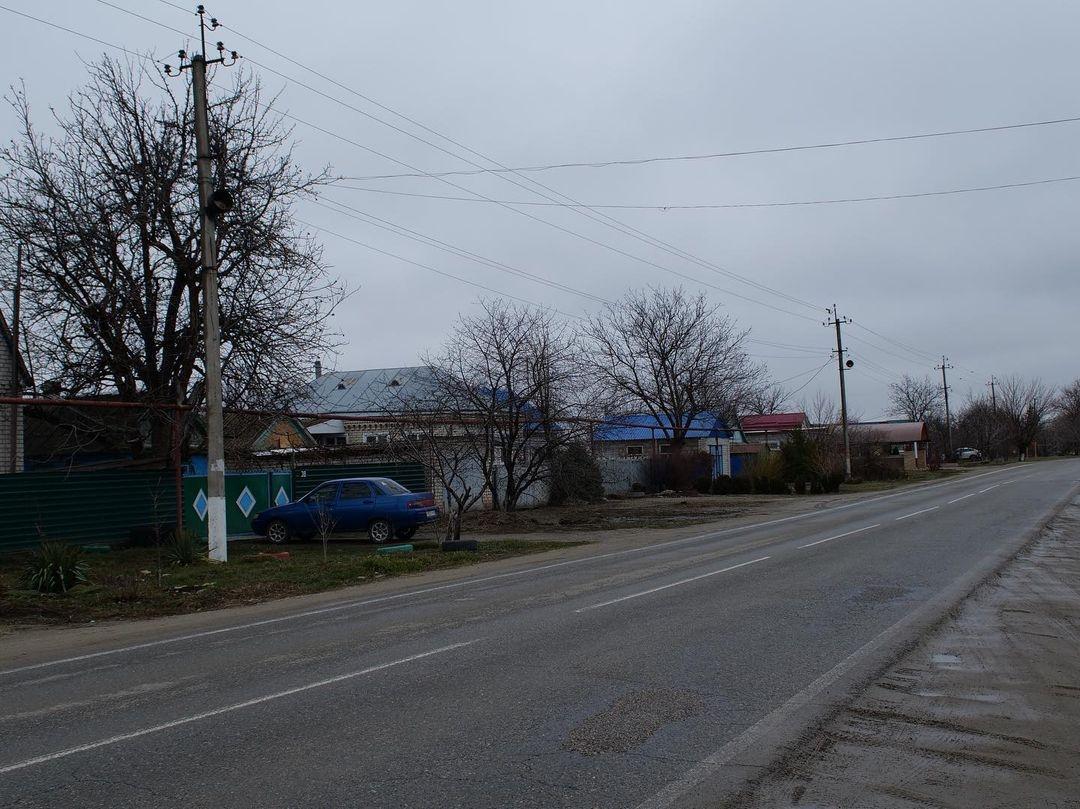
[[914, 164]]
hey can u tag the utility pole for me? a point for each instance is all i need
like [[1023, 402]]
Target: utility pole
[[836, 320], [211, 204], [993, 392], [948, 416]]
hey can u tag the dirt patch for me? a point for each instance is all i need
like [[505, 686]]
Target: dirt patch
[[643, 512], [631, 720], [982, 713]]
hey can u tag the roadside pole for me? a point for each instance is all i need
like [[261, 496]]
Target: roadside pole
[[948, 416], [211, 204], [836, 320]]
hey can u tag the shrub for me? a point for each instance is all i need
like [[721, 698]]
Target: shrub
[[741, 485], [767, 475], [703, 483], [575, 476], [183, 549], [723, 484], [55, 567], [830, 482], [679, 470]]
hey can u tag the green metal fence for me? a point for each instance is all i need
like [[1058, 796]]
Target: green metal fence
[[82, 507], [409, 475], [246, 494]]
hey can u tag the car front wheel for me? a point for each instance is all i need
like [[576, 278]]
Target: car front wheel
[[278, 532], [380, 531]]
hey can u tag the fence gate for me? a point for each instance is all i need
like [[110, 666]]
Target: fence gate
[[246, 494]]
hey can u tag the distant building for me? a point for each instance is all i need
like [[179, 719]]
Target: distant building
[[906, 441], [773, 429], [642, 436], [11, 367], [370, 393]]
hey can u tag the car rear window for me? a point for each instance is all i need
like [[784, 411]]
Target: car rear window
[[392, 486]]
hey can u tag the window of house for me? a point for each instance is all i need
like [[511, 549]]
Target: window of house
[[634, 452], [376, 438]]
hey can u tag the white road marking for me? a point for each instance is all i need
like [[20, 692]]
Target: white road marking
[[123, 737], [539, 569], [915, 513], [838, 536], [667, 586], [988, 488], [965, 497]]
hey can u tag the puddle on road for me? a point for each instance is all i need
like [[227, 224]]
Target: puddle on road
[[945, 660], [993, 699]]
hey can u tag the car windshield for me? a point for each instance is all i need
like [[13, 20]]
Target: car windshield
[[321, 494], [392, 486]]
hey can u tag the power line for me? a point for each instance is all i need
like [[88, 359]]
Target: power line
[[717, 206], [431, 241], [743, 153], [435, 270], [811, 379], [336, 135], [59, 27], [610, 222], [918, 352], [561, 228]]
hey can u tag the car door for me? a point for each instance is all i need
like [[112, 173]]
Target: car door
[[321, 504], [355, 505]]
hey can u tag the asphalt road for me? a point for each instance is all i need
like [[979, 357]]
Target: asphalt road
[[616, 679]]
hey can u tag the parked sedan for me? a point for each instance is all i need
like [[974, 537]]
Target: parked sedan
[[382, 507], [968, 454]]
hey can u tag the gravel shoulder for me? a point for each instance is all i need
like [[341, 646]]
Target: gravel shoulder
[[981, 713]]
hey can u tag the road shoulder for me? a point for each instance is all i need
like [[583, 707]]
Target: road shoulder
[[980, 713]]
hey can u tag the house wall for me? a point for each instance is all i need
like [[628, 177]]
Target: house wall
[[620, 473], [6, 415]]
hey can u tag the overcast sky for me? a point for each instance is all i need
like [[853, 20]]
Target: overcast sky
[[990, 279]]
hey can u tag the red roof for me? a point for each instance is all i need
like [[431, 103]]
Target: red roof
[[778, 422]]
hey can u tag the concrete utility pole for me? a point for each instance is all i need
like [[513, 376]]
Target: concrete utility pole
[[211, 204], [993, 392], [948, 416], [836, 320]]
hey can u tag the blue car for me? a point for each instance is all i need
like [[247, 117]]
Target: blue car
[[382, 507]]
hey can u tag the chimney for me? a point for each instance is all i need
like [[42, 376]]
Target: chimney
[[318, 368]]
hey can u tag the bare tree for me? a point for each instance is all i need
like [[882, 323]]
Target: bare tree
[[325, 523], [1023, 406], [108, 214], [768, 399], [424, 434], [1067, 420], [979, 424], [670, 355], [915, 399], [509, 374]]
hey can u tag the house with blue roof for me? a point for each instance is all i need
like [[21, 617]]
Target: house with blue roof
[[638, 437]]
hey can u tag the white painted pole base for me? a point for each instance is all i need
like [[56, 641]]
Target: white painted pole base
[[216, 529]]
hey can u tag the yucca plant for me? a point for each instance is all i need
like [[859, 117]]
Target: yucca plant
[[183, 549], [55, 567]]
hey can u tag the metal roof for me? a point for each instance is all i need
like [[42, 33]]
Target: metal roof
[[375, 391], [779, 422], [643, 426], [893, 432]]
